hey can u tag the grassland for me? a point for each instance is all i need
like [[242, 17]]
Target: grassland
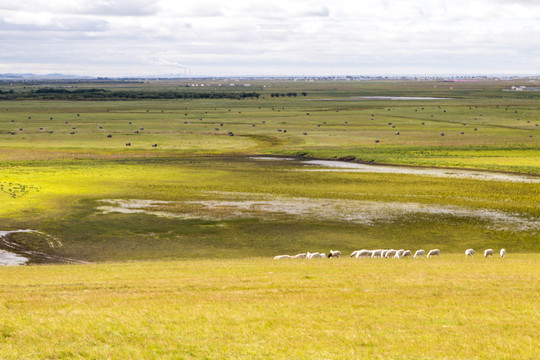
[[447, 308], [499, 128], [180, 235], [58, 164], [64, 199]]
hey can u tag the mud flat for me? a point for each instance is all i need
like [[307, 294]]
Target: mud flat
[[267, 207]]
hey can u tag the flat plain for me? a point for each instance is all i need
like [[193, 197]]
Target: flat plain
[[181, 224]]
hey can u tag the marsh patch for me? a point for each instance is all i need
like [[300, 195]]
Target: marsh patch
[[227, 206]]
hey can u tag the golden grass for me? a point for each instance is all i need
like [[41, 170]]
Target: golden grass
[[447, 308]]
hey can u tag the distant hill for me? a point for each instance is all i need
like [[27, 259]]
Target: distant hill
[[30, 76]]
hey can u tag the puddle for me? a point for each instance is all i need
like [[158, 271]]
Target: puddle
[[12, 259], [268, 158], [340, 166], [137, 206], [267, 207], [392, 98], [396, 98], [8, 258], [343, 166]]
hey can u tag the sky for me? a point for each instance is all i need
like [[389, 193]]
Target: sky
[[270, 38]]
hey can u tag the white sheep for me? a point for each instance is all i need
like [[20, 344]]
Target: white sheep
[[377, 253], [353, 254], [279, 257], [367, 253], [390, 253], [419, 253], [406, 253], [363, 253], [488, 252], [316, 255], [433, 253], [399, 254], [503, 252], [300, 256], [334, 253], [469, 252]]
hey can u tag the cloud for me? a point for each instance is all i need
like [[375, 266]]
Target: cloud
[[84, 7], [322, 11], [279, 36], [53, 24], [122, 8]]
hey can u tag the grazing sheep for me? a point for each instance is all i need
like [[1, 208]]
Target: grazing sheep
[[503, 252], [488, 252], [315, 255], [279, 257], [419, 253], [399, 254], [433, 253], [368, 253], [300, 256], [377, 253], [334, 253], [469, 252], [390, 253], [321, 255], [353, 254], [364, 253], [406, 253]]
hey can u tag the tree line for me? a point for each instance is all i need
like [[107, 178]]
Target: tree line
[[289, 94], [102, 94]]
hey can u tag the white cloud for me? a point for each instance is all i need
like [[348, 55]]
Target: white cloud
[[103, 37]]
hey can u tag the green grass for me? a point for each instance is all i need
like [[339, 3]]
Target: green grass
[[447, 308], [62, 200], [196, 281], [506, 136]]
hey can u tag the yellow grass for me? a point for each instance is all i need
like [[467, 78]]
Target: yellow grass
[[447, 308]]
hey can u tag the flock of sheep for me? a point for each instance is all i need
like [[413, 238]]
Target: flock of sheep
[[383, 253], [487, 252]]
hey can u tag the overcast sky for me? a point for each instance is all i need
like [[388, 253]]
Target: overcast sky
[[274, 37]]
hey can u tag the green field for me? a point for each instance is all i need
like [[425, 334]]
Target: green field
[[180, 226]]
